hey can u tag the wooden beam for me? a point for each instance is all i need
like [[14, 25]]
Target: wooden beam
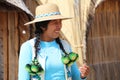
[[11, 45], [3, 22]]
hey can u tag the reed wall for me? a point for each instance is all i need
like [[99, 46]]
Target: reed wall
[[103, 42]]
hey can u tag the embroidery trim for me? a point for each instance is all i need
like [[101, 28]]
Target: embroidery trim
[[47, 14]]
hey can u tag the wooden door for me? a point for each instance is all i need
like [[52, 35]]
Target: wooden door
[[9, 46], [12, 34]]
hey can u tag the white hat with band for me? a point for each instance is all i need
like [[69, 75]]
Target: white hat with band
[[46, 12]]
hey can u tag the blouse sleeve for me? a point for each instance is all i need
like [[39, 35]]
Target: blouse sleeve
[[25, 57], [75, 72]]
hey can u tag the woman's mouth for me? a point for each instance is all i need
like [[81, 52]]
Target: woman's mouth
[[57, 31]]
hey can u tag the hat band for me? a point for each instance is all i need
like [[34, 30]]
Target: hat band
[[47, 14]]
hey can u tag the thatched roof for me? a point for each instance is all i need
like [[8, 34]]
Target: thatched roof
[[19, 4]]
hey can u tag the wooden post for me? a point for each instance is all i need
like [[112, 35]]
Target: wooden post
[[3, 22], [12, 46]]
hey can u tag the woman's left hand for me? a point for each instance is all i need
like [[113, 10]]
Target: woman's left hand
[[85, 70]]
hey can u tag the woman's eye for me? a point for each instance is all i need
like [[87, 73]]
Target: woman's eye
[[56, 23]]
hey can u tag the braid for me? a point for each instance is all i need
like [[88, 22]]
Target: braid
[[38, 31], [37, 44], [60, 44]]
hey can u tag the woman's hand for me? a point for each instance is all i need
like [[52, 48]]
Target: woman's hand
[[85, 70]]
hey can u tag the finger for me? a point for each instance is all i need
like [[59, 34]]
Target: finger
[[84, 71], [84, 65], [84, 74], [85, 68]]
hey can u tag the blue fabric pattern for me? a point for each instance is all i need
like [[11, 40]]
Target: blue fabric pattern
[[47, 14]]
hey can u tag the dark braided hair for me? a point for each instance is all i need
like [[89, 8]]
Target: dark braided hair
[[60, 44], [38, 31]]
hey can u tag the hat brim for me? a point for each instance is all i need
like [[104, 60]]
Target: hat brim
[[48, 18]]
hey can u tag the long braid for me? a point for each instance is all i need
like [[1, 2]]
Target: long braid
[[38, 31], [60, 44], [37, 41]]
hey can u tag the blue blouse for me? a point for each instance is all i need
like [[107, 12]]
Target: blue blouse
[[54, 68]]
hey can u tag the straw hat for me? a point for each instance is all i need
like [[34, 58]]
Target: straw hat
[[46, 12]]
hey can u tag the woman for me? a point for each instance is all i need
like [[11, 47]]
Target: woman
[[47, 50]]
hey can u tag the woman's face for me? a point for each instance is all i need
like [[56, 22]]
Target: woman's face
[[53, 30]]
